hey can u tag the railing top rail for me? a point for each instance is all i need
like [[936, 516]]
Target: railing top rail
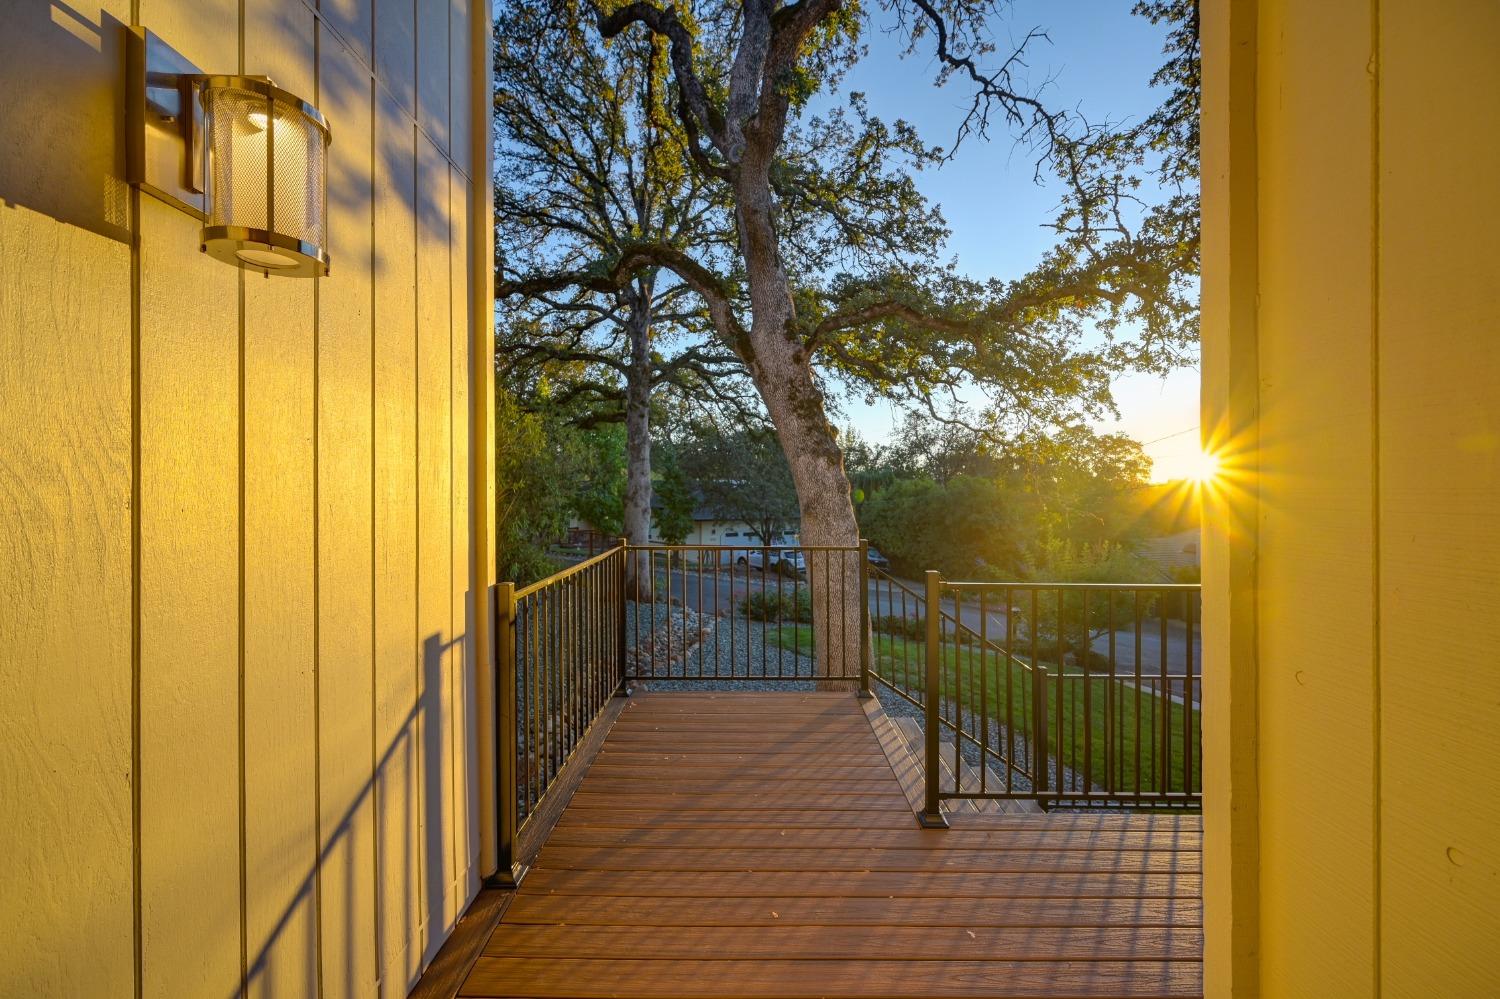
[[957, 623], [557, 577], [1155, 587], [882, 574]]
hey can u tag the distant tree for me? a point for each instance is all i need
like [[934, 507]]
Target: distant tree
[[676, 501], [940, 449], [742, 476], [1078, 485], [952, 499], [865, 464], [590, 160], [598, 491], [966, 528], [531, 491]]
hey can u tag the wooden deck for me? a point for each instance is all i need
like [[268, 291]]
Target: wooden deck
[[763, 845]]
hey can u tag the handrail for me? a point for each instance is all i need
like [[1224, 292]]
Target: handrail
[[1143, 587], [560, 661], [525, 591]]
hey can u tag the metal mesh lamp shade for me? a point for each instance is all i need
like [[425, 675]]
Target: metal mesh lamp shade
[[267, 173]]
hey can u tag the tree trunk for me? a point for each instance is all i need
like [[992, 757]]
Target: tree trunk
[[637, 513], [782, 371]]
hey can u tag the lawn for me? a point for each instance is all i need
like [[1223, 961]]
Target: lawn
[[1106, 714]]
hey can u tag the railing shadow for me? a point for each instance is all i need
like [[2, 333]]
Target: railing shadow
[[426, 716]]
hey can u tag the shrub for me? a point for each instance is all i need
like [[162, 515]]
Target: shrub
[[786, 605], [902, 627], [1175, 605]]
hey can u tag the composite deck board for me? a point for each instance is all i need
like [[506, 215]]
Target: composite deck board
[[858, 975], [733, 769], [897, 839], [1184, 914], [850, 858], [807, 783], [605, 816], [760, 845], [906, 943], [869, 884], [788, 797], [711, 760]]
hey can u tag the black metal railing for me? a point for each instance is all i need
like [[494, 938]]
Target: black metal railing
[[745, 612], [1067, 694], [561, 660]]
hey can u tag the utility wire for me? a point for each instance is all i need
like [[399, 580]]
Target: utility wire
[[1170, 436]]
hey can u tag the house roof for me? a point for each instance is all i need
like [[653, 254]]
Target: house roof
[[1172, 551]]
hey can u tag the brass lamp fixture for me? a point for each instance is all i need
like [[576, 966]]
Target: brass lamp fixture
[[245, 157]]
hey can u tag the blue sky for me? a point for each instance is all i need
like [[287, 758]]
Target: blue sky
[[1100, 60]]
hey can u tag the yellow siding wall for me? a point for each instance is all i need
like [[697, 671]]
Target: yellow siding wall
[[1368, 455], [236, 698]]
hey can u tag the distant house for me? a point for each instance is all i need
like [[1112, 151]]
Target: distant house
[[709, 528], [712, 528], [1174, 551]]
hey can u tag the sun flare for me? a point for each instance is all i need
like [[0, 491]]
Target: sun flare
[[1203, 467]]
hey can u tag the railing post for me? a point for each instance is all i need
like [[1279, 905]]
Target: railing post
[[1039, 706], [932, 812], [864, 620], [510, 871], [622, 646]]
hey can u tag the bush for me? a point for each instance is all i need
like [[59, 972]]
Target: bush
[[914, 629], [902, 627], [1175, 605], [787, 605]]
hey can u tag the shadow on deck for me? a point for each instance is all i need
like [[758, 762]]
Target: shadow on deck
[[765, 845]]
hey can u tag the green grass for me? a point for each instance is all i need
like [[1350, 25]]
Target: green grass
[[899, 661]]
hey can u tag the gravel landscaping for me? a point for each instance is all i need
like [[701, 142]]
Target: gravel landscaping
[[688, 644]]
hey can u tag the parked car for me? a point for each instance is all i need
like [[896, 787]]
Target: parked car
[[878, 560], [787, 562]]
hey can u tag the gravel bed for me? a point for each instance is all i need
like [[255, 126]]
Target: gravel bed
[[702, 644]]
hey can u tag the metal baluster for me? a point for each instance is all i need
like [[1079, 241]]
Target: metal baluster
[[932, 813]]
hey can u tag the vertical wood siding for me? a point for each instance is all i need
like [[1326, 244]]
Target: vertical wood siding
[[1439, 455], [1317, 687], [1372, 732], [236, 705]]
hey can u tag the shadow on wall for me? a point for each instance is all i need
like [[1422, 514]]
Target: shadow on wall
[[62, 155], [427, 717], [63, 78]]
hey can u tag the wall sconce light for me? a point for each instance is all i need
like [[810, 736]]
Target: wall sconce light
[[238, 153]]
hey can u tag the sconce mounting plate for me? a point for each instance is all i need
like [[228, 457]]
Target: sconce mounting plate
[[164, 120]]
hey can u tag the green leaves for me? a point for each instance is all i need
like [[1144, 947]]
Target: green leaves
[[741, 475], [1054, 506], [673, 515]]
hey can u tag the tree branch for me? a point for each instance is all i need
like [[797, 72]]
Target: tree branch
[[666, 23]]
